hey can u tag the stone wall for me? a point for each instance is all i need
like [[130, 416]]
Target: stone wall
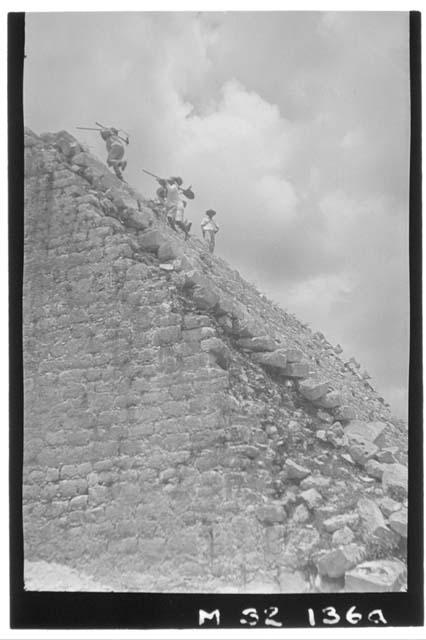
[[180, 429]]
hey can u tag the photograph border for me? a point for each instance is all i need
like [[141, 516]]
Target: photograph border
[[89, 610]]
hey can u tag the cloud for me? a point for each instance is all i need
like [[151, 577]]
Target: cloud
[[354, 138], [244, 131], [278, 199]]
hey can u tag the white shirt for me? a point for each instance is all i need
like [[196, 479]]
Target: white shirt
[[173, 194], [208, 224]]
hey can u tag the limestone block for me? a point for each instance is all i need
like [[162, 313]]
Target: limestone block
[[276, 359], [345, 413], [247, 450], [84, 159], [166, 335], [371, 431], [205, 298], [219, 349], [167, 474], [321, 435], [342, 537], [362, 451], [196, 277], [89, 198], [324, 416], [374, 469], [389, 506], [246, 326], [373, 520], [191, 321], [335, 435], [103, 179], [380, 429], [138, 220], [79, 502], [151, 240], [297, 370], [67, 145], [30, 138], [315, 482], [311, 497], [270, 514], [227, 306], [185, 264], [294, 355], [331, 400], [168, 251], [375, 576], [335, 563], [312, 389], [69, 471], [259, 343], [387, 455], [398, 522], [52, 475], [338, 522], [295, 471], [301, 514], [123, 200], [197, 334], [299, 545], [395, 480]]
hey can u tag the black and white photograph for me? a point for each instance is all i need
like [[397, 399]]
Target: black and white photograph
[[216, 302]]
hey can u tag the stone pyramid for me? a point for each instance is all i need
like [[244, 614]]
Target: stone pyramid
[[182, 432]]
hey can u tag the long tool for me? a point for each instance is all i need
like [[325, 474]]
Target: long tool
[[126, 140], [188, 193], [102, 128], [153, 175]]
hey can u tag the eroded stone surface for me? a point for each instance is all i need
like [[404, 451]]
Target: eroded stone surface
[[362, 451], [342, 537], [314, 389], [276, 359], [294, 470], [331, 400], [375, 576], [366, 431], [340, 521], [398, 521], [395, 480], [375, 469], [373, 520], [259, 343], [336, 563], [311, 497], [388, 505], [345, 413]]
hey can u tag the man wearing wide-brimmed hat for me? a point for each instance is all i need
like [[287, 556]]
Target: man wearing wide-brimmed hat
[[209, 229]]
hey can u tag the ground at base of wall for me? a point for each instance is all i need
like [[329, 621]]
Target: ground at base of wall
[[51, 576]]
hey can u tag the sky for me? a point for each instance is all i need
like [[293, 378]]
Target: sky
[[293, 126]]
